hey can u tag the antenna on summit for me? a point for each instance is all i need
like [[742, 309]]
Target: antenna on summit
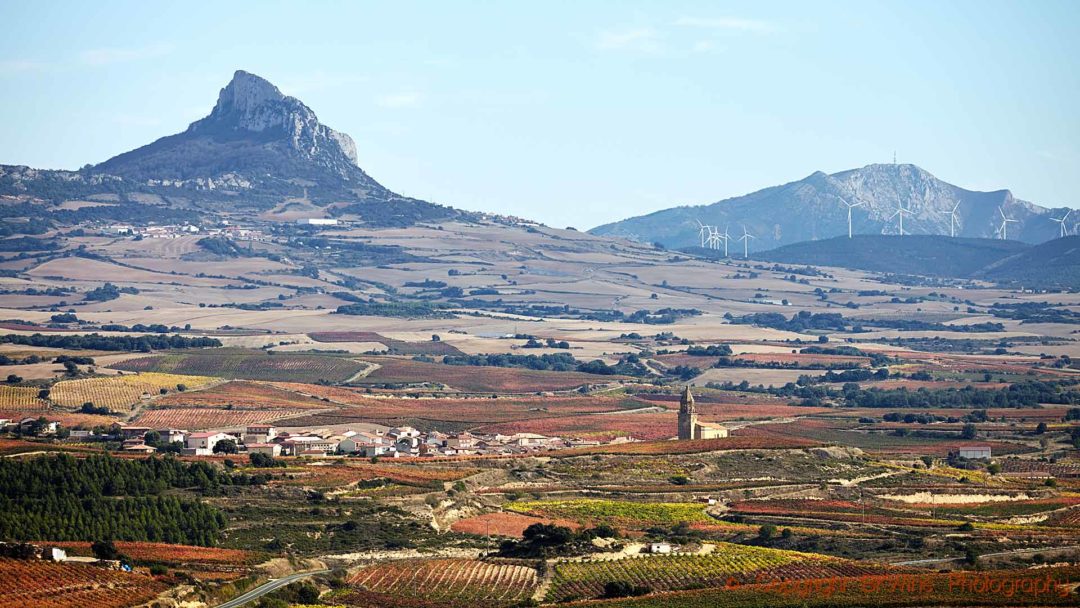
[[894, 157]]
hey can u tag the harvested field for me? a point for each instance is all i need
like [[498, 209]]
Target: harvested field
[[645, 426], [250, 365], [476, 379]]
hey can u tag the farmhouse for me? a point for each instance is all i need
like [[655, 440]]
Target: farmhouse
[[972, 452], [269, 449], [202, 444]]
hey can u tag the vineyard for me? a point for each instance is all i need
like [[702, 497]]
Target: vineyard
[[120, 393], [393, 370], [617, 513], [338, 476], [454, 581], [243, 394], [43, 584], [504, 524], [1013, 588], [396, 347], [727, 564], [20, 399], [194, 418], [249, 365], [744, 440], [164, 553]]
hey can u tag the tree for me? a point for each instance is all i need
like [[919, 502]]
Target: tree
[[1040, 429], [766, 532], [969, 431], [225, 446], [13, 379], [993, 468]]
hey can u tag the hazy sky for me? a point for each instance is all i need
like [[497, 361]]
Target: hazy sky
[[574, 113]]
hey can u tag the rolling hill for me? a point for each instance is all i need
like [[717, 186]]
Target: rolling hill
[[1055, 263]]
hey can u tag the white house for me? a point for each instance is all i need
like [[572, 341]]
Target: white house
[[974, 452], [317, 221], [270, 449], [202, 444], [659, 548]]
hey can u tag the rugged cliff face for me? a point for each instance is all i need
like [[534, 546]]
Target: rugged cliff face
[[816, 208]]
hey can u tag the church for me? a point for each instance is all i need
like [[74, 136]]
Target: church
[[689, 427]]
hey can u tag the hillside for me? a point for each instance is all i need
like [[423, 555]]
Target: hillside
[[816, 208], [1055, 263]]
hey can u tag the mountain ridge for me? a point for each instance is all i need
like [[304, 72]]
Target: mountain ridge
[[815, 207]]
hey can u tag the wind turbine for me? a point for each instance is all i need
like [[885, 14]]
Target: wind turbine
[[952, 219], [726, 237], [1004, 224], [714, 238], [745, 238], [900, 211], [702, 229], [1064, 230], [850, 206]]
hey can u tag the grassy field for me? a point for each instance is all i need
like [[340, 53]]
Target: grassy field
[[476, 379]]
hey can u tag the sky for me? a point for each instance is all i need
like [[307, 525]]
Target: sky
[[574, 113]]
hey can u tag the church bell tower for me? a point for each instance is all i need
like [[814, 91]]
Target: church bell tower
[[687, 415]]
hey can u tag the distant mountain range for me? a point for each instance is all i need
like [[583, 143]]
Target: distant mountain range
[[816, 208], [257, 149], [1053, 264]]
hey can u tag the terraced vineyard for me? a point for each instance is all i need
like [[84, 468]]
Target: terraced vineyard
[[454, 581], [120, 393], [728, 564], [20, 398], [42, 584], [250, 365]]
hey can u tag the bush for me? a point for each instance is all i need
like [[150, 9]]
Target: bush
[[625, 589]]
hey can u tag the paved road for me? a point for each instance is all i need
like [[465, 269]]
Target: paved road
[[265, 588], [919, 562]]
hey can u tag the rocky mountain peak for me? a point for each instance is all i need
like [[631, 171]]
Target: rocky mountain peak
[[250, 104]]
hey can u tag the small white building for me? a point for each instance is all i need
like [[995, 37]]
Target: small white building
[[317, 221], [659, 548], [973, 452], [269, 449], [202, 444]]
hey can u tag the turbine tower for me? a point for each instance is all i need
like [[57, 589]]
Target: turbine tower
[[1061, 222], [850, 206], [952, 219], [900, 211], [726, 237], [715, 237], [745, 238], [702, 229], [1004, 224]]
